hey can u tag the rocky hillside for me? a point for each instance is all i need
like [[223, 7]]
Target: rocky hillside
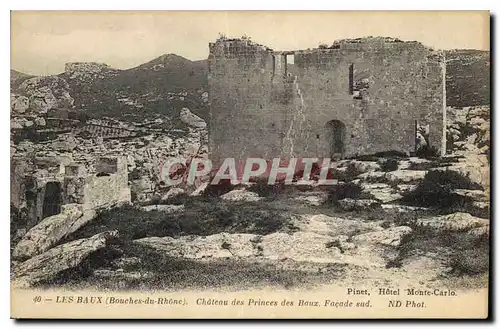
[[165, 85], [467, 78], [162, 86]]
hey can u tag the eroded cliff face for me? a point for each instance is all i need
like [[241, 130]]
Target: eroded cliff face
[[35, 97], [45, 93]]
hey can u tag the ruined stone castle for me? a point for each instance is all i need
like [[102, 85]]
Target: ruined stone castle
[[355, 97]]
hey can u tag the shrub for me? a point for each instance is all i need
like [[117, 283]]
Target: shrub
[[343, 191], [389, 165], [436, 190], [349, 174], [451, 179]]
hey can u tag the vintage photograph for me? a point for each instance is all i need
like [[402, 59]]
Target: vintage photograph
[[159, 153]]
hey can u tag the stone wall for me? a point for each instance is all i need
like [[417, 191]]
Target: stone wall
[[105, 189], [108, 187], [377, 88]]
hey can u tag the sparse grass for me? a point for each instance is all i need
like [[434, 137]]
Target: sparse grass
[[168, 273], [263, 189], [471, 261], [201, 217], [344, 191], [464, 254], [377, 156], [394, 217]]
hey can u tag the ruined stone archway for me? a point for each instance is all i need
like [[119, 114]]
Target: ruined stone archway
[[335, 137], [52, 199]]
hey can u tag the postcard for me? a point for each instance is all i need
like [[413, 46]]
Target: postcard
[[258, 164]]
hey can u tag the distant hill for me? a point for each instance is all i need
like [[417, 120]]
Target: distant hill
[[467, 78], [161, 86], [164, 85], [16, 78]]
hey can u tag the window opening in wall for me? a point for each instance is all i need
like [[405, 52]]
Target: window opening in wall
[[351, 79]]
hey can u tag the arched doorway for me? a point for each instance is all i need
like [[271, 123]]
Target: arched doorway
[[52, 199], [335, 137]]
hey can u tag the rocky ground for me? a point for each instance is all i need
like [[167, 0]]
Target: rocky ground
[[421, 221]]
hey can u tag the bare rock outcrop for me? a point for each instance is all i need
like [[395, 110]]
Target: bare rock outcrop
[[300, 247], [192, 119], [20, 104], [390, 237], [222, 245], [66, 256], [83, 70]]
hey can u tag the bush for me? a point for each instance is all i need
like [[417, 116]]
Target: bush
[[344, 191], [263, 189], [217, 190], [428, 152], [451, 180], [389, 165], [436, 190], [349, 174]]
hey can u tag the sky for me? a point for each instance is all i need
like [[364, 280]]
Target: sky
[[42, 42]]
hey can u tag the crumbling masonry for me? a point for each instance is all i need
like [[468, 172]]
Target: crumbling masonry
[[356, 97], [41, 190]]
